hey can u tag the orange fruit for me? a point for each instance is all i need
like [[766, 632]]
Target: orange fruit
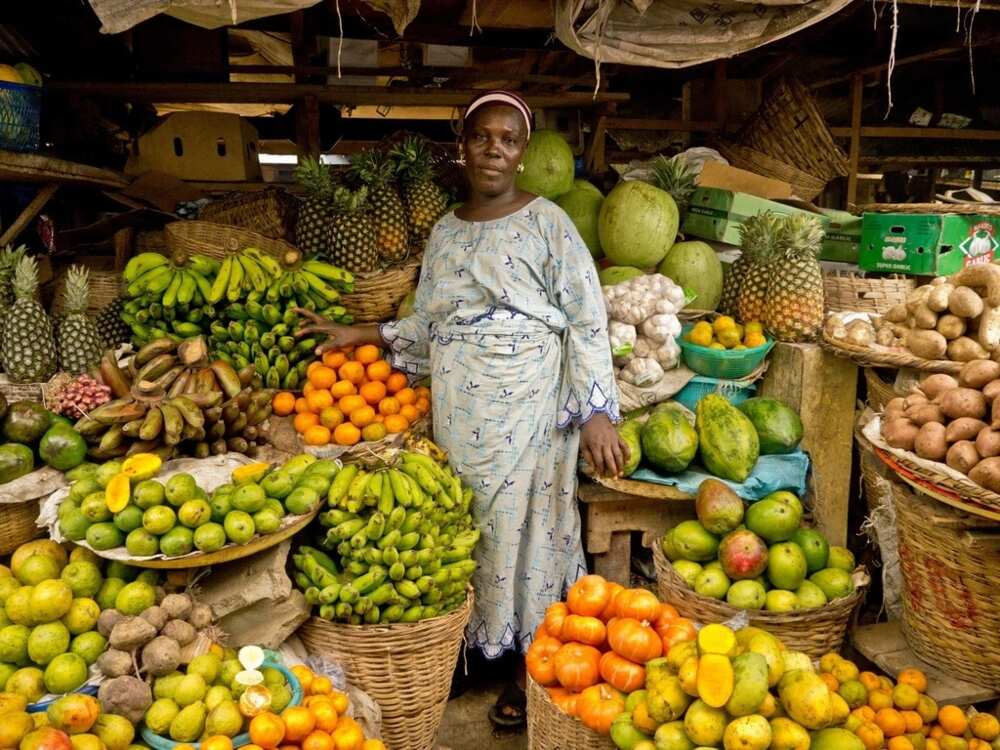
[[318, 740], [316, 435], [380, 418], [952, 720], [322, 376], [410, 412], [353, 371], [283, 403], [978, 744], [378, 370], [869, 680], [301, 405], [373, 392], [899, 743], [831, 681], [905, 697], [267, 730], [396, 423], [395, 382], [308, 388], [217, 742], [349, 403], [422, 391], [334, 359], [870, 735], [330, 417], [326, 715], [348, 737], [318, 400], [914, 722], [932, 744], [367, 354], [879, 699], [346, 434], [914, 678], [339, 701], [927, 708], [374, 431], [363, 416], [423, 406], [885, 684], [985, 726], [244, 747], [299, 722], [304, 676], [406, 396], [343, 388], [287, 747], [313, 365], [304, 421], [373, 745], [865, 713], [322, 686], [936, 732], [388, 405], [890, 722]]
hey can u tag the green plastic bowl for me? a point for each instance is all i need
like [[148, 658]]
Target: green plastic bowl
[[730, 364]]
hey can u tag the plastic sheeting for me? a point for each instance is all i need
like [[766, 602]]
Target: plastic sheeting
[[680, 33]]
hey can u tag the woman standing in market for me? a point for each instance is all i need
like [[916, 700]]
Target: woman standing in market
[[510, 324]]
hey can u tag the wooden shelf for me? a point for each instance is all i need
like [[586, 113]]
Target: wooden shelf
[[889, 131], [17, 167]]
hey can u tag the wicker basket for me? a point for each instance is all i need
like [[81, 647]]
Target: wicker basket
[[218, 240], [879, 391], [991, 209], [152, 241], [551, 729], [789, 127], [407, 669], [105, 288], [377, 295], [813, 631], [17, 524], [268, 212], [846, 291], [950, 563], [805, 185]]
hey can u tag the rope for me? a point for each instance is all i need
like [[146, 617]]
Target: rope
[[892, 55], [340, 30], [474, 26]]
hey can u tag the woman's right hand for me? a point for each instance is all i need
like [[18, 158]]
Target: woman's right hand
[[335, 335]]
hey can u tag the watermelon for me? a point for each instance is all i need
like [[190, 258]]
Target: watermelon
[[695, 266], [638, 224], [617, 274], [584, 207], [549, 166], [584, 185], [728, 440], [779, 428]]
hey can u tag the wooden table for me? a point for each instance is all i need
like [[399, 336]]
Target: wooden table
[[610, 516]]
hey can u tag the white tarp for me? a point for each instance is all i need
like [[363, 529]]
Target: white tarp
[[680, 33]]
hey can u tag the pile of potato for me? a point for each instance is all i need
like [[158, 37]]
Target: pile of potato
[[954, 420], [955, 317]]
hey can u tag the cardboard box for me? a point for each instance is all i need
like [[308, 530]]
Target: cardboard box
[[205, 146], [722, 176], [717, 214], [927, 244], [842, 239]]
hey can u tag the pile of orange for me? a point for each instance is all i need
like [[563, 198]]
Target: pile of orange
[[353, 395]]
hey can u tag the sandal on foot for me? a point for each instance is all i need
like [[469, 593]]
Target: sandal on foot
[[510, 710]]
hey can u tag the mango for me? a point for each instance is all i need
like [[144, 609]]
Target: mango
[[750, 683], [703, 724], [806, 698], [836, 739], [747, 733], [672, 736], [189, 724], [787, 735]]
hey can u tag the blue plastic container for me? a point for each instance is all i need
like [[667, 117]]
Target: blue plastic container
[[20, 117], [701, 385], [731, 364]]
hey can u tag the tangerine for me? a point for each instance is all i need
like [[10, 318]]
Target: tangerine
[[363, 416], [423, 406], [283, 403], [396, 382], [373, 432], [378, 370], [313, 365], [348, 737], [267, 730], [343, 388], [304, 421], [217, 742], [899, 743], [406, 396], [367, 354], [339, 701], [395, 423], [914, 721], [410, 412], [952, 720], [299, 722], [890, 722], [927, 708], [346, 434], [985, 726], [388, 405], [334, 359], [905, 696], [316, 435], [831, 681], [422, 391], [914, 678], [321, 376], [870, 735], [319, 400], [353, 371], [865, 713], [373, 392], [322, 686], [869, 680], [349, 403], [304, 676], [325, 714], [318, 740], [301, 405], [879, 699], [373, 745], [330, 417]]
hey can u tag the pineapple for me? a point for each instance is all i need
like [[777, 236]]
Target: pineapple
[[312, 228], [113, 329], [27, 346], [8, 260], [78, 340], [757, 239], [675, 176], [352, 233], [425, 202], [374, 168], [795, 299]]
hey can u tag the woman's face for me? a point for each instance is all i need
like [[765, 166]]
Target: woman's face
[[495, 139]]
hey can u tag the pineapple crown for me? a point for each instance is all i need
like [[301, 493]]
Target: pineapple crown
[[77, 290], [9, 258], [799, 235], [413, 159], [759, 235], [26, 278], [676, 177], [314, 177], [373, 167], [349, 201]]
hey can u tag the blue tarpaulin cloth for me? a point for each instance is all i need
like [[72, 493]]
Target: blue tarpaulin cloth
[[771, 473]]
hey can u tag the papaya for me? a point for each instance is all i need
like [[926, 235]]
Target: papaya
[[778, 426], [26, 422], [668, 440], [16, 460], [727, 439], [629, 431], [62, 447]]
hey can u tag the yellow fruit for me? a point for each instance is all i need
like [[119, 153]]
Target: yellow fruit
[[717, 345], [985, 726], [700, 334], [748, 733], [905, 697], [9, 75], [723, 323], [729, 338], [845, 671], [787, 735], [828, 661], [806, 698], [754, 339]]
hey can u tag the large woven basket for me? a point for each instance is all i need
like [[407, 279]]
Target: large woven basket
[[880, 392], [219, 240], [551, 729], [268, 212], [992, 209], [846, 291], [789, 127], [105, 288], [950, 563], [406, 668], [805, 185], [377, 295], [813, 631], [17, 524]]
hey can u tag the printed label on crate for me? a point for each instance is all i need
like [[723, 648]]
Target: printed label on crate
[[980, 247]]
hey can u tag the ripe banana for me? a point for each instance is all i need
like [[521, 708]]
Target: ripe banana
[[141, 263], [221, 283]]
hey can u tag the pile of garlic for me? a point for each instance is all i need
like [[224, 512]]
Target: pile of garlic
[[642, 326]]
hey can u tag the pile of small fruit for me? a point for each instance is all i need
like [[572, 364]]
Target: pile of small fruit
[[403, 543], [121, 504], [73, 722], [351, 396], [758, 558], [725, 333]]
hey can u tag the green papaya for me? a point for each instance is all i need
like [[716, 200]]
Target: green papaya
[[26, 422], [727, 439], [62, 447], [16, 460], [778, 426], [629, 431], [669, 442]]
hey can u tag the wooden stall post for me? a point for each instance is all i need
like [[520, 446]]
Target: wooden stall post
[[822, 388]]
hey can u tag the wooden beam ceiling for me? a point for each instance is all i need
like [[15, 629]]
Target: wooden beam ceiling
[[510, 14]]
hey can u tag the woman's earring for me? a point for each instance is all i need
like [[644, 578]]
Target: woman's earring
[[520, 168], [461, 154]]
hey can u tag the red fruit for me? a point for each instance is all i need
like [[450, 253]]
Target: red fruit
[[743, 554], [46, 738]]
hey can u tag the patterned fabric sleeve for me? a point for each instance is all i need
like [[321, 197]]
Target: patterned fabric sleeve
[[588, 386], [409, 339]]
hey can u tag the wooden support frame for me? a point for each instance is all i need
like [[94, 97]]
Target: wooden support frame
[[854, 153], [29, 213]]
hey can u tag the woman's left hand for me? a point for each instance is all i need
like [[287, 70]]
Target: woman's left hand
[[602, 448]]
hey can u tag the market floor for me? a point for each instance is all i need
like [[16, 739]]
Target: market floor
[[466, 727]]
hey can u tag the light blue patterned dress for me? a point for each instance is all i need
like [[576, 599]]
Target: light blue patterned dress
[[510, 324]]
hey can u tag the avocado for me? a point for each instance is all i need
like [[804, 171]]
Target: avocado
[[15, 461], [25, 422], [62, 447]]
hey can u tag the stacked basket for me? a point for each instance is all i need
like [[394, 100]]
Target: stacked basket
[[549, 727]]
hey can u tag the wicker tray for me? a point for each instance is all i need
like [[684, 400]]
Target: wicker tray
[[805, 185], [846, 291], [17, 524], [219, 240], [882, 356], [268, 212], [879, 392], [551, 729], [406, 668], [992, 209], [644, 489], [105, 288], [377, 295], [813, 631], [950, 564]]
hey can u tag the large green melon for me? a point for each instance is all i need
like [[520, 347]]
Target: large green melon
[[584, 207], [613, 275], [548, 165], [638, 224], [584, 185], [696, 266]]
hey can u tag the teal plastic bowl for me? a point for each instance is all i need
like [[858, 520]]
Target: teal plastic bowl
[[701, 385], [728, 364]]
